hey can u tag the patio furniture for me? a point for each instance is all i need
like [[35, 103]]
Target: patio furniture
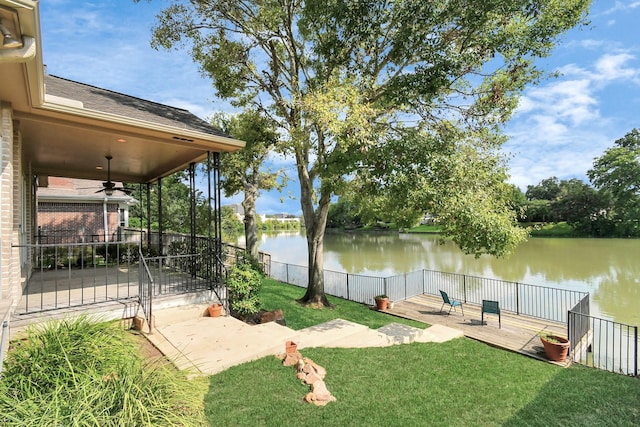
[[491, 307], [453, 303]]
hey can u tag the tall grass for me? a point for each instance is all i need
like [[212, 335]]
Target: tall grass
[[83, 373]]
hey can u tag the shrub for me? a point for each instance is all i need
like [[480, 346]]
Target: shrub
[[244, 283]]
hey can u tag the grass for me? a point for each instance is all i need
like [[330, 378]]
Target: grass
[[425, 228], [457, 383], [277, 295], [553, 229]]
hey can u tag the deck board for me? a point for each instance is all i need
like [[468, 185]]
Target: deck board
[[518, 333]]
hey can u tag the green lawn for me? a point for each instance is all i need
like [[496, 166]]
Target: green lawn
[[80, 373], [277, 295], [458, 383], [552, 229], [425, 228]]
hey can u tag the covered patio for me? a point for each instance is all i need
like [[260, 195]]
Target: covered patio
[[52, 126]]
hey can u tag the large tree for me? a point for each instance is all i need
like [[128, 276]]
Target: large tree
[[617, 171], [245, 171], [401, 96]]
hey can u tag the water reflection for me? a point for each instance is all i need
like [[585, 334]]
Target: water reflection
[[607, 268]]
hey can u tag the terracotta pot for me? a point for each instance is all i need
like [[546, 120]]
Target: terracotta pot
[[290, 347], [382, 303], [556, 351], [215, 310]]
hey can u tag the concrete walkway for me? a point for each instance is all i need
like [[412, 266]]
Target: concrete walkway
[[208, 345]]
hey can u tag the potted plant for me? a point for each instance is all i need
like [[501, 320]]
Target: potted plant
[[555, 347], [382, 301], [215, 310]]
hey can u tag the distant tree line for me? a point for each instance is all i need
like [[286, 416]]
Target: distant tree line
[[608, 206]]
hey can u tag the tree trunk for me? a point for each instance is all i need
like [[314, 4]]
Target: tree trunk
[[250, 232], [316, 222]]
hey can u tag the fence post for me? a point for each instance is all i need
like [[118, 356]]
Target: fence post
[[570, 335], [385, 287], [287, 271], [464, 287], [517, 298], [635, 350], [405, 286], [348, 287]]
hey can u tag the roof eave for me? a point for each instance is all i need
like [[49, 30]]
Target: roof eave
[[189, 135]]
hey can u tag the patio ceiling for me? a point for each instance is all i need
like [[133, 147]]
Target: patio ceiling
[[68, 128], [60, 144]]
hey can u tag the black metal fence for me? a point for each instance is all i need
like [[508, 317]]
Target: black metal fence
[[76, 274], [531, 300], [604, 344]]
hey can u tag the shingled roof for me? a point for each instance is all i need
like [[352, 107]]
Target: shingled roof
[[107, 101]]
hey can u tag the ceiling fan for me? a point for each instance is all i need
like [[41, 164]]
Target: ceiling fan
[[108, 187]]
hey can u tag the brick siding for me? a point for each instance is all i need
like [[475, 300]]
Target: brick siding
[[65, 222]]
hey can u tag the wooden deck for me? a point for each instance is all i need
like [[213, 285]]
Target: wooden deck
[[518, 333]]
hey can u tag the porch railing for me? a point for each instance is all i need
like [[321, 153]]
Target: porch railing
[[76, 274], [530, 300]]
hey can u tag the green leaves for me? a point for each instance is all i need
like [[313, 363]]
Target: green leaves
[[244, 285], [618, 172]]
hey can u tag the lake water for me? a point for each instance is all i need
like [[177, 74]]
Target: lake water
[[609, 269]]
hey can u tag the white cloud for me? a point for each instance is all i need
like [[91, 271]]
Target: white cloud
[[568, 100], [621, 6], [611, 67]]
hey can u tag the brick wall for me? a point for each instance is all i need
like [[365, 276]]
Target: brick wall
[[65, 222]]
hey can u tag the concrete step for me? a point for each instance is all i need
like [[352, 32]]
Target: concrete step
[[181, 313], [399, 333], [333, 331], [439, 334], [362, 339]]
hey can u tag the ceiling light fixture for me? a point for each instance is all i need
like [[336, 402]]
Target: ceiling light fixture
[[10, 29], [121, 140]]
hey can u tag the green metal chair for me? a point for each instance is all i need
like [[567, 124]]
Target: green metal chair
[[492, 307], [452, 303]]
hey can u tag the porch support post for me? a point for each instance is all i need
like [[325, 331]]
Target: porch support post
[[148, 218], [192, 216], [192, 206], [210, 259], [217, 221], [160, 218]]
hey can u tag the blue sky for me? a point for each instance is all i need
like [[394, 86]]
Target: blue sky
[[561, 124]]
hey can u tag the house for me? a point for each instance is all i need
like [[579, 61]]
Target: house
[[71, 210], [54, 127]]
